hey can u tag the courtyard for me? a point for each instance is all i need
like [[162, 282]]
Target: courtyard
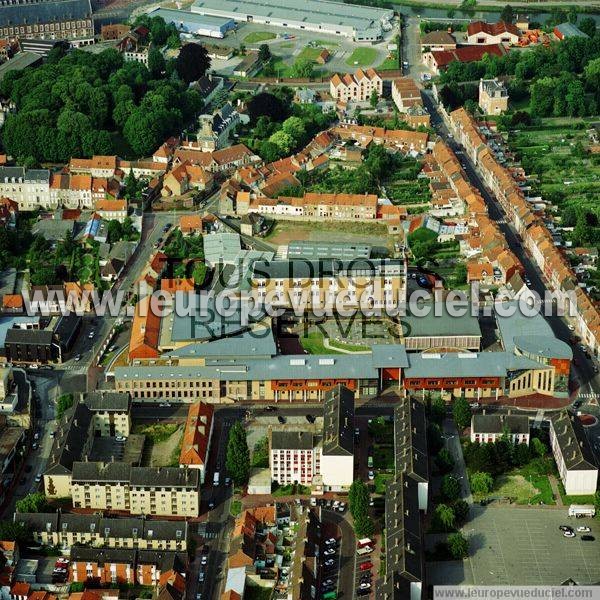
[[522, 546]]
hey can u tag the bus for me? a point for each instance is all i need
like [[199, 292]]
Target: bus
[[364, 542], [365, 550], [330, 596], [581, 510]]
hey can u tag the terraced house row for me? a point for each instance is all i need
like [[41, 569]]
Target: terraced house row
[[536, 237]]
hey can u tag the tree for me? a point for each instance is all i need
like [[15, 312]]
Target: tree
[[374, 99], [461, 412], [588, 26], [521, 455], [437, 410], [192, 62], [444, 461], [156, 62], [444, 517], [435, 441], [458, 546], [460, 274], [63, 403], [269, 151], [32, 503], [358, 498], [537, 447], [294, 127], [508, 14], [199, 273], [283, 141], [461, 512], [450, 488], [364, 526], [264, 53], [238, 455], [13, 531], [481, 482], [303, 67], [267, 104]]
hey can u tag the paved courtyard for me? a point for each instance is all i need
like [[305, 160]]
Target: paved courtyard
[[522, 547]]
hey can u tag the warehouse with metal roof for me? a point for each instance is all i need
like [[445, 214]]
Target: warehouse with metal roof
[[189, 22], [362, 23]]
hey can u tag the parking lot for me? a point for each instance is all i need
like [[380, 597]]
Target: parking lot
[[522, 547]]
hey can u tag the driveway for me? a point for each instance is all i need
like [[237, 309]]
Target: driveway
[[346, 553], [452, 444]]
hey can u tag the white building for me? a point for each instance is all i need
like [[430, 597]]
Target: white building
[[487, 429], [337, 453], [29, 188], [293, 457], [573, 454], [361, 23]]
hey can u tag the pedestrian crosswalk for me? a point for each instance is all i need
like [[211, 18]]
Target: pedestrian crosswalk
[[589, 396]]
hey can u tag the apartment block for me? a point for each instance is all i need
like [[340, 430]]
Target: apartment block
[[493, 97], [573, 454], [406, 94], [311, 284], [111, 413], [29, 188], [121, 566], [293, 457], [196, 438], [337, 452], [356, 88], [66, 530], [165, 491]]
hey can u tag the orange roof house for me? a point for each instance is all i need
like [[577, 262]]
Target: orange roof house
[[12, 303], [196, 437], [190, 224], [145, 331], [179, 284]]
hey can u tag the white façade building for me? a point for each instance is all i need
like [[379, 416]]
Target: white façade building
[[337, 451], [573, 454], [361, 23]]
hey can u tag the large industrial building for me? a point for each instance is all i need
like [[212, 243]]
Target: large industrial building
[[361, 23], [188, 22]]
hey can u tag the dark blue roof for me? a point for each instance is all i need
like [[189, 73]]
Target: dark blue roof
[[19, 12]]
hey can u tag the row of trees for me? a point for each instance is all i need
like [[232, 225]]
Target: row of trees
[[238, 456], [358, 503]]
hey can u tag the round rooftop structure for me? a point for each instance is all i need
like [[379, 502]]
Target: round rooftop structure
[[543, 346]]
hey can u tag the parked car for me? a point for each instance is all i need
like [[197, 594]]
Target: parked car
[[565, 528], [38, 478], [310, 418], [281, 419], [330, 541], [365, 586], [569, 534], [329, 552], [329, 562], [204, 559], [77, 358], [165, 405], [365, 566], [583, 529], [361, 592], [371, 475], [588, 538], [121, 438]]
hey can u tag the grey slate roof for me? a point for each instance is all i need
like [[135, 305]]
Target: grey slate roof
[[459, 364], [403, 529], [102, 401], [410, 439], [29, 336], [497, 423], [164, 477], [21, 12], [309, 269], [20, 61], [546, 347], [252, 344], [103, 555], [128, 528], [439, 322], [98, 471], [70, 439], [338, 422], [573, 442], [304, 249], [292, 440], [21, 173]]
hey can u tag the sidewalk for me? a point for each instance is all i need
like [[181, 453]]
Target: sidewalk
[[555, 490]]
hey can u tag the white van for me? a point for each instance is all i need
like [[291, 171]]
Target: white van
[[216, 478]]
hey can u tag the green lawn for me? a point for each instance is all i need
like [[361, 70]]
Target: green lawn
[[349, 347], [362, 57], [313, 343], [259, 36], [309, 53], [391, 63]]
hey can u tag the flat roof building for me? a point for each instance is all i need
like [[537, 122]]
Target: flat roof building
[[189, 22], [362, 23]]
